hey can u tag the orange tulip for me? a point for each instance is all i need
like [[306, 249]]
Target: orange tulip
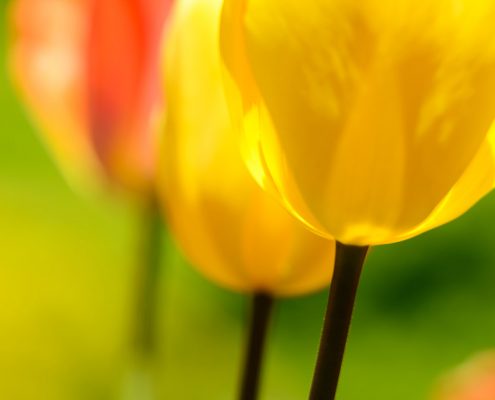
[[87, 70], [472, 381]]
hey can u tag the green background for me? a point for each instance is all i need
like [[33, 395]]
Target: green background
[[67, 281]]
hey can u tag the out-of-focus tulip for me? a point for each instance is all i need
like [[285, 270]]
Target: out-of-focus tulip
[[230, 229], [369, 119], [473, 381], [88, 71]]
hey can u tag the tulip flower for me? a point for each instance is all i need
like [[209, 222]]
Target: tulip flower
[[88, 71], [230, 229], [369, 120], [474, 380], [371, 115]]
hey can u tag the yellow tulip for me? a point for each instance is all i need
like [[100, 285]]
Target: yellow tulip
[[88, 72], [228, 227], [369, 119]]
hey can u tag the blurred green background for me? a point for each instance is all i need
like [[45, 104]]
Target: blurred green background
[[67, 281]]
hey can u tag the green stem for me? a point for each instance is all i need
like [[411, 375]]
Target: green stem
[[349, 261], [148, 280], [260, 318]]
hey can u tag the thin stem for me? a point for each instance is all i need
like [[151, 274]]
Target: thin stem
[[147, 280], [260, 318], [349, 262]]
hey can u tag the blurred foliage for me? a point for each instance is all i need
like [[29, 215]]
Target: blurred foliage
[[66, 298]]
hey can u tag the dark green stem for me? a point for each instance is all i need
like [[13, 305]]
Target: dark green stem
[[349, 261], [148, 280], [260, 318]]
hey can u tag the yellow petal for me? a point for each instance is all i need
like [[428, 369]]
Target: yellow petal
[[250, 118], [475, 183], [378, 107], [231, 230]]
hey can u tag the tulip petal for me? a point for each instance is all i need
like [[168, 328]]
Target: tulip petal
[[47, 66], [250, 117], [123, 50], [474, 184]]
